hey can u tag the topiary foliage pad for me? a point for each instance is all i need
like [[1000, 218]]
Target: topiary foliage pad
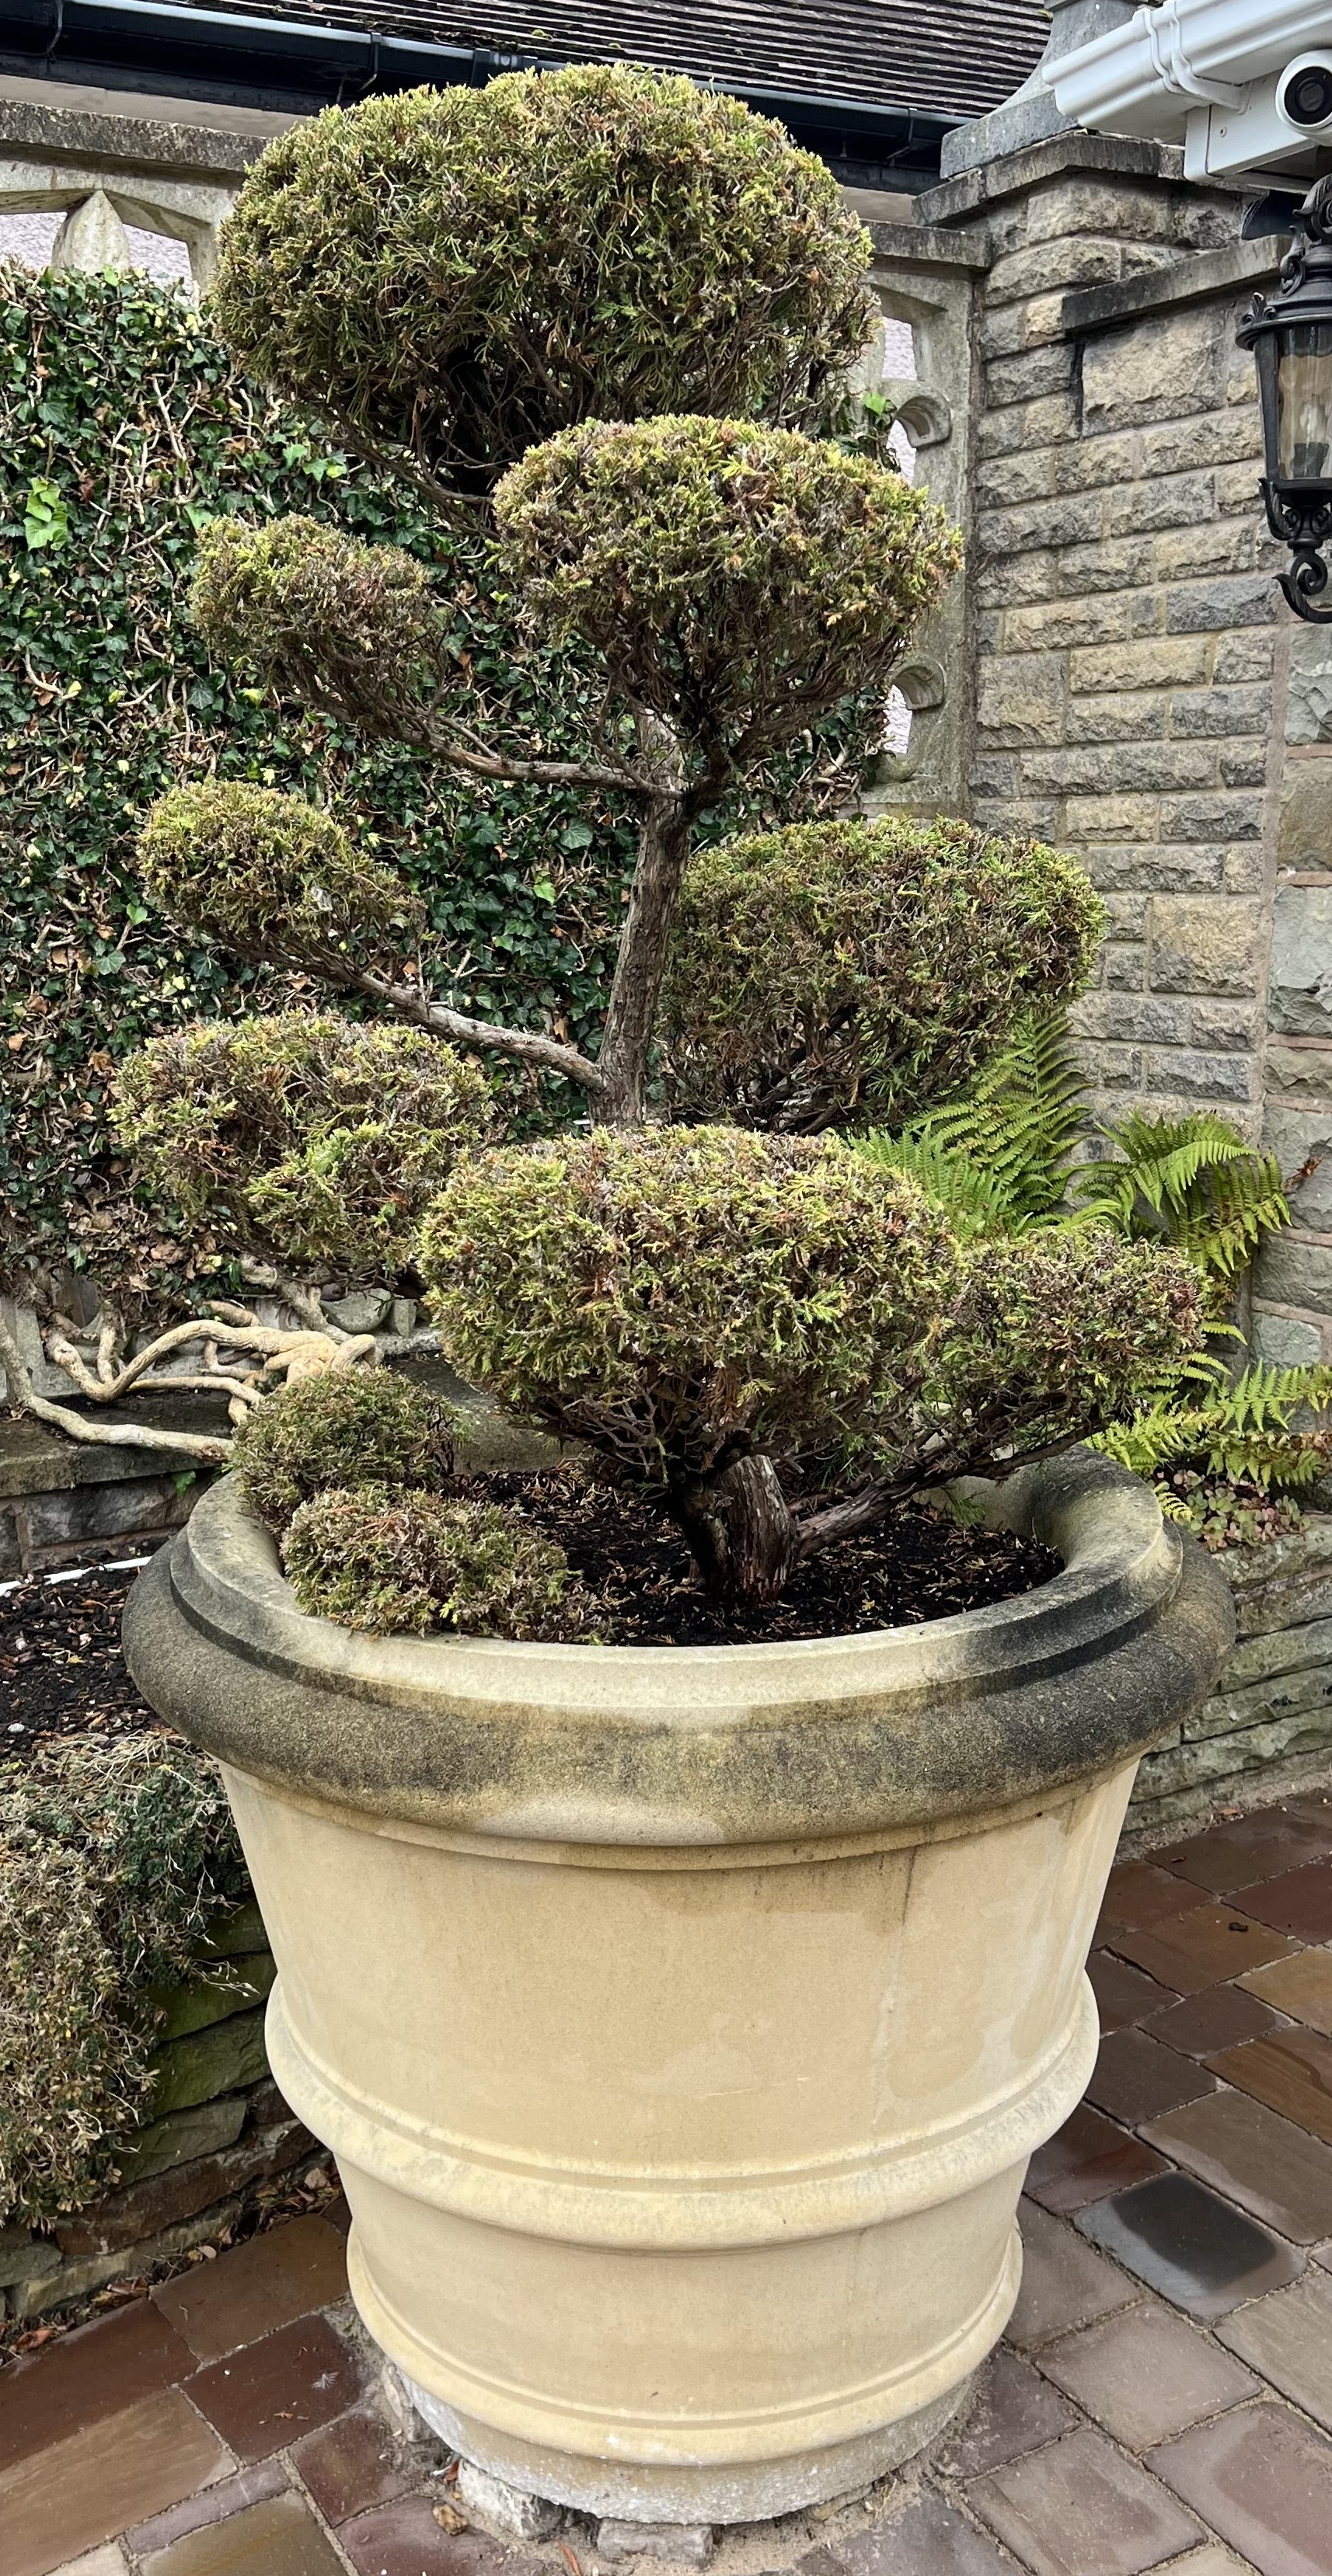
[[862, 970], [463, 272]]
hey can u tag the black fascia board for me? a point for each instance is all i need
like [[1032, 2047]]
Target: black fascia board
[[297, 66]]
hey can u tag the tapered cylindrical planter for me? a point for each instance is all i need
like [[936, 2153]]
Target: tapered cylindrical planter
[[682, 2020]]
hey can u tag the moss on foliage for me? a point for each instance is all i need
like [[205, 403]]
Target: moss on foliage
[[466, 271], [738, 580], [387, 1562], [856, 969], [350, 1426], [679, 1293]]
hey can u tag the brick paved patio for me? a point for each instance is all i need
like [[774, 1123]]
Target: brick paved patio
[[1163, 2398]]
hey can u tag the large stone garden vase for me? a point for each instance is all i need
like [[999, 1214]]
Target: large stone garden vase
[[682, 2020]]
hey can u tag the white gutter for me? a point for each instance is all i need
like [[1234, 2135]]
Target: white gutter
[[1170, 61]]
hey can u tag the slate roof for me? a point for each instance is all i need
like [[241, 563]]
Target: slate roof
[[950, 58]]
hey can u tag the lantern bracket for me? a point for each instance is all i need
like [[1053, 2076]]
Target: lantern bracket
[[1299, 507]]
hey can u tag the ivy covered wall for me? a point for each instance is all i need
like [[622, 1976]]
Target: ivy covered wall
[[122, 428]]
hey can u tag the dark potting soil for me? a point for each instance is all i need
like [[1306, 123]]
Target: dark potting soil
[[61, 1668], [919, 1565], [62, 1671]]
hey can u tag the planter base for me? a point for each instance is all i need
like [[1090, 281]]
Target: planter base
[[635, 2493], [682, 2020]]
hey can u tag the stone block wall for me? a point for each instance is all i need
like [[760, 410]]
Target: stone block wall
[[68, 1504], [215, 2127], [1127, 627], [1293, 1279], [1272, 1711]]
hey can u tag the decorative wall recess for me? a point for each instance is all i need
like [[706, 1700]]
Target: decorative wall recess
[[926, 415]]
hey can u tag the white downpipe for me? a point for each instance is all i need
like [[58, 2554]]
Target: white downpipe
[[1148, 77]]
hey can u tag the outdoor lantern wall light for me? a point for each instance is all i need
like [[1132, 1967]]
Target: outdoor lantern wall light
[[1290, 335]]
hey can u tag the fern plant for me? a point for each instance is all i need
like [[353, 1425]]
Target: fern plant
[[1002, 1159], [1247, 1428], [999, 1158], [974, 1200], [1193, 1181]]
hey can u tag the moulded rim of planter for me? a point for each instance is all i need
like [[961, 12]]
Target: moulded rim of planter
[[698, 1745]]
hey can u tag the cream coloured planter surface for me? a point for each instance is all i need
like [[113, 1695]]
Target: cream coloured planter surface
[[682, 2020]]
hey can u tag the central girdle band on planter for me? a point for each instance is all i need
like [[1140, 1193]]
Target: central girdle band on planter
[[683, 2019]]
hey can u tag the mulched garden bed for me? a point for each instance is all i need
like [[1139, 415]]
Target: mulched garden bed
[[61, 1668], [918, 1566]]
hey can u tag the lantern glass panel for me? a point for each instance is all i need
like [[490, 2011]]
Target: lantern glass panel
[[1304, 383]]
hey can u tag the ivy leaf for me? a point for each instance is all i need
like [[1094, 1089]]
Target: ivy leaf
[[45, 517]]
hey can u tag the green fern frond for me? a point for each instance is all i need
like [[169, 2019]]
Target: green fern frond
[[1192, 1180], [1020, 1121], [1154, 1436], [1245, 1430], [971, 1199]]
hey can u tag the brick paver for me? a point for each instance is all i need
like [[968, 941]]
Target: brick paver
[[1162, 2401]]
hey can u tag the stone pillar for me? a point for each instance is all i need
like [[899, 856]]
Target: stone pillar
[[1030, 115], [92, 237], [1293, 1282], [1129, 634]]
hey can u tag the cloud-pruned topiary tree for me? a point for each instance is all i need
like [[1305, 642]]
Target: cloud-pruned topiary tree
[[456, 275], [738, 583], [609, 317]]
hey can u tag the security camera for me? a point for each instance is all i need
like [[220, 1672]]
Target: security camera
[[1304, 93], [1280, 123]]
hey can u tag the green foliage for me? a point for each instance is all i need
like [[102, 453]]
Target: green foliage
[[1057, 1332], [45, 516], [116, 393], [259, 870], [346, 1426], [679, 1295], [1226, 1511], [1246, 1429], [1000, 1163], [385, 1561], [1194, 1181], [323, 617], [738, 581], [314, 1139], [973, 1201], [858, 968], [1007, 1144], [464, 272], [115, 1859]]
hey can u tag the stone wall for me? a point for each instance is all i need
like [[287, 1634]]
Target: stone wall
[[68, 1504], [1293, 1281], [1273, 1709], [1126, 611], [215, 2128], [1142, 696]]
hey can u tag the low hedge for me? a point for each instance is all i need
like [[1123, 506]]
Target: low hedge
[[116, 1857]]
